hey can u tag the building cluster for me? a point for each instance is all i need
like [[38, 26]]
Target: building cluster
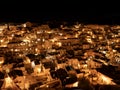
[[34, 56]]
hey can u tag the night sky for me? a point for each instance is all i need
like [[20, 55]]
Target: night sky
[[68, 12]]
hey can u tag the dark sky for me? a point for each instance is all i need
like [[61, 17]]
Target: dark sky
[[90, 17], [91, 13]]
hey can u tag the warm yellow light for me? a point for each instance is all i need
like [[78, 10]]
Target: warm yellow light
[[65, 37], [60, 34], [1, 41], [78, 65], [24, 25], [26, 40], [38, 39], [75, 84], [16, 50], [100, 37], [89, 40], [53, 40], [36, 49], [85, 66], [43, 39], [33, 64], [76, 35], [1, 60], [8, 82], [12, 35], [38, 70], [49, 32], [106, 80], [27, 60], [93, 36], [59, 44]]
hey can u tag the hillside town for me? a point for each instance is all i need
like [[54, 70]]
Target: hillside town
[[36, 56]]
